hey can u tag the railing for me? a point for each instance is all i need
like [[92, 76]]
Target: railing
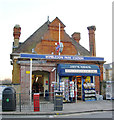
[[46, 103], [24, 104]]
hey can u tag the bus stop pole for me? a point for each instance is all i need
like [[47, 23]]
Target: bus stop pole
[[30, 82]]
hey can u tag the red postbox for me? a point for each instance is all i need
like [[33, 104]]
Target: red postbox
[[36, 102]]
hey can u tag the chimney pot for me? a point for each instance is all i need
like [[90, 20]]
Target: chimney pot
[[76, 36], [16, 34], [91, 28]]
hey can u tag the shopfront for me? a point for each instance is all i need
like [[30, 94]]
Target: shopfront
[[77, 81]]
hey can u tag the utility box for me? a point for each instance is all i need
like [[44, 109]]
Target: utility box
[[9, 99], [58, 101]]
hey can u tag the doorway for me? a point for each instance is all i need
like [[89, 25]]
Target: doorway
[[37, 86], [40, 82], [77, 87]]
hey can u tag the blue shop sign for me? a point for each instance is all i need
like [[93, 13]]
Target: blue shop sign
[[78, 69], [61, 57]]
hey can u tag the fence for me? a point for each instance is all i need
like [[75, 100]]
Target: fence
[[24, 104]]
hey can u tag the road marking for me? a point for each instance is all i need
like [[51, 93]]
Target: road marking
[[78, 114]]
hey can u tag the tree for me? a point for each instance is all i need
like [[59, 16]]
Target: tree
[[6, 81]]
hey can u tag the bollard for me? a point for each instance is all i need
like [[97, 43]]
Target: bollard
[[36, 102]]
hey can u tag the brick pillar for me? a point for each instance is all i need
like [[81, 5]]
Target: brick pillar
[[98, 80], [97, 84], [51, 79], [25, 84]]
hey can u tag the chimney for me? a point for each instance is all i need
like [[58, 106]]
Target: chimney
[[76, 36], [92, 46], [16, 34]]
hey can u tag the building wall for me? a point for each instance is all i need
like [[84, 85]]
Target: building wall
[[16, 73], [107, 72], [49, 47], [97, 84], [48, 40]]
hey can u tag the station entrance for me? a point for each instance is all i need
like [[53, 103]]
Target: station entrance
[[40, 82]]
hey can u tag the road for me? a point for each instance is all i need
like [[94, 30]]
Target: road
[[104, 114]]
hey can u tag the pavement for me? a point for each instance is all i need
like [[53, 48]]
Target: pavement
[[71, 108]]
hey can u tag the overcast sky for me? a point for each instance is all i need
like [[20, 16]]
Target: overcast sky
[[77, 15]]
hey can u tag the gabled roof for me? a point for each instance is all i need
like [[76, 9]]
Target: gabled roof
[[35, 38], [57, 20], [80, 49]]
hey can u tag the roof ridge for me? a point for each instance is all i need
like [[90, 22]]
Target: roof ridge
[[59, 20]]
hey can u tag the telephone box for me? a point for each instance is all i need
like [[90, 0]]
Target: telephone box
[[36, 102]]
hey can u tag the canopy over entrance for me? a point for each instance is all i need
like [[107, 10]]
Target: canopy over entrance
[[78, 69]]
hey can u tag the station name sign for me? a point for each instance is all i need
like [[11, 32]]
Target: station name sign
[[60, 57]]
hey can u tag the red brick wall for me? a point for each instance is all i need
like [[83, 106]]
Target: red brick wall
[[47, 47], [97, 86], [47, 44]]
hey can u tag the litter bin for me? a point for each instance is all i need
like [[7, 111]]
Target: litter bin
[[9, 99], [58, 93], [58, 101]]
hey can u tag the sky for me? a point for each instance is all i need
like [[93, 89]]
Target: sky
[[76, 15]]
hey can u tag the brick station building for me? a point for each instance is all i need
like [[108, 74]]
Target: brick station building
[[76, 70]]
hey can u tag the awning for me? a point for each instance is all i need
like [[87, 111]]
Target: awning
[[78, 69]]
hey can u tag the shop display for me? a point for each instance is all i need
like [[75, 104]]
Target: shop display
[[71, 89], [89, 93], [64, 87], [67, 89], [78, 88]]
